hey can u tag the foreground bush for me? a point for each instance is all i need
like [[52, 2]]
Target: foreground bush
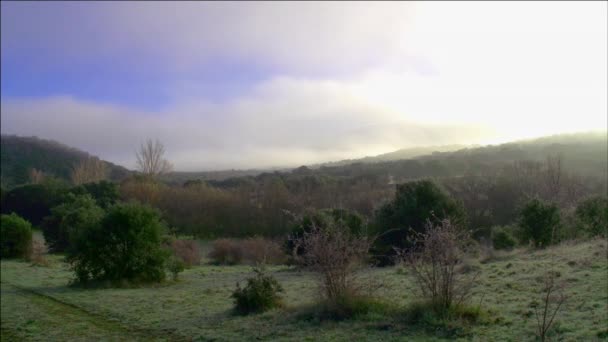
[[15, 236], [435, 261], [75, 214], [251, 251], [336, 255], [260, 294], [124, 246], [540, 223]]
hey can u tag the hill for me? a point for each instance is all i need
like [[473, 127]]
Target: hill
[[404, 153], [18, 155]]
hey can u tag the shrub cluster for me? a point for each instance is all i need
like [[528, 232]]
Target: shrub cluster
[[187, 251], [249, 251]]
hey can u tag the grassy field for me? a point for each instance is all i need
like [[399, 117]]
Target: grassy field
[[37, 304]]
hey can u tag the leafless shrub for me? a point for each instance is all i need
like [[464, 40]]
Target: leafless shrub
[[435, 261], [251, 251], [150, 159], [552, 299], [89, 170], [258, 250], [188, 251], [36, 176], [335, 254]]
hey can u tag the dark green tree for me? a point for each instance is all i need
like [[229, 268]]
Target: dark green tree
[[15, 236], [540, 223], [33, 202], [592, 215], [126, 245], [104, 192], [324, 218], [77, 213], [415, 204]]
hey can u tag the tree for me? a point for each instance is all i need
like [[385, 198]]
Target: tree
[[105, 193], [89, 170], [150, 159], [124, 246], [324, 218], [15, 236], [415, 204], [592, 214], [77, 213], [33, 202], [539, 222]]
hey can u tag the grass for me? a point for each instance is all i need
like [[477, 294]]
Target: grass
[[38, 304]]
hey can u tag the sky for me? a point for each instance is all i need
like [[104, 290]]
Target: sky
[[277, 84]]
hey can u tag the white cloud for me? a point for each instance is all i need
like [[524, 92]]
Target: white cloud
[[344, 79]]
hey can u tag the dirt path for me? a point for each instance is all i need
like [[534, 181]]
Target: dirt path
[[30, 316]]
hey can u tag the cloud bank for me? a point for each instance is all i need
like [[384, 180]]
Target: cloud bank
[[283, 84]]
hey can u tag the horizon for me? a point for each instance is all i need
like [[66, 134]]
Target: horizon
[[243, 86]]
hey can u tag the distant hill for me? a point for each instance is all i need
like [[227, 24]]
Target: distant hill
[[405, 153], [583, 153], [18, 155]]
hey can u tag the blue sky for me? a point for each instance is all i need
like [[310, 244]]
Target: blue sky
[[247, 84]]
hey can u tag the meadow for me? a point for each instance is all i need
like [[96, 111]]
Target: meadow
[[39, 305]]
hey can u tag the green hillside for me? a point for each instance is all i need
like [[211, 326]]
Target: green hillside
[[21, 154]]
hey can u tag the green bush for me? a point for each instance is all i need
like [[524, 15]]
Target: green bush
[[540, 223], [75, 214], [175, 266], [502, 238], [323, 219], [415, 203], [124, 246], [260, 294], [592, 216], [104, 192], [15, 236]]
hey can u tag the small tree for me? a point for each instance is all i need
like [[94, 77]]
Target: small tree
[[414, 205], [150, 159], [539, 222], [592, 215], [126, 245], [434, 263], [77, 213], [552, 299], [15, 236]]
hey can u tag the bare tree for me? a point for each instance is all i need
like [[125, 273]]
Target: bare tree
[[150, 159], [89, 170], [552, 299], [434, 263], [336, 255]]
